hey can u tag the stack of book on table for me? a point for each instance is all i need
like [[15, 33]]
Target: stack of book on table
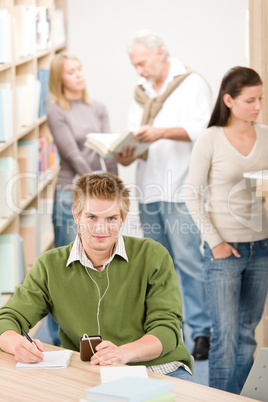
[[131, 389]]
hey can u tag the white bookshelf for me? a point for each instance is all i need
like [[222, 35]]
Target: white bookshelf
[[9, 71]]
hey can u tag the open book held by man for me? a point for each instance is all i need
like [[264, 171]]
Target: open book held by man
[[106, 144]]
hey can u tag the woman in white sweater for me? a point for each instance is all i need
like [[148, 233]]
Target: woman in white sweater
[[233, 223]]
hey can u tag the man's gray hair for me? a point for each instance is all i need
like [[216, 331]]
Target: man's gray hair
[[149, 39]]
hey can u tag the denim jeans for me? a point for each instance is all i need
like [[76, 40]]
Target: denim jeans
[[171, 225], [182, 374], [64, 233], [237, 289]]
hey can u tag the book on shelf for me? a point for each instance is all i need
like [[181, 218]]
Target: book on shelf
[[12, 267], [43, 77], [9, 193], [106, 144], [45, 208], [6, 112], [43, 30], [28, 89], [19, 99], [48, 155], [30, 232], [28, 167], [24, 37], [59, 27], [129, 389], [5, 36]]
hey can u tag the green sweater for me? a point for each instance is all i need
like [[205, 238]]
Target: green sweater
[[143, 298]]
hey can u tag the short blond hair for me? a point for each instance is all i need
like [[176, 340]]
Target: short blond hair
[[55, 81], [103, 186]]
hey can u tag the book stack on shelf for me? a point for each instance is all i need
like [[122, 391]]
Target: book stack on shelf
[[28, 42]]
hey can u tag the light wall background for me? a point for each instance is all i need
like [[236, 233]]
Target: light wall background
[[211, 36]]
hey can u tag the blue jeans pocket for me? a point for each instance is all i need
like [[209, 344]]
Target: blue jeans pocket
[[264, 244]]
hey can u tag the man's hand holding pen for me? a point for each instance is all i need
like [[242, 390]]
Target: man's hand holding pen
[[23, 350]]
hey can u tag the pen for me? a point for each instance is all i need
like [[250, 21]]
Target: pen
[[28, 337]]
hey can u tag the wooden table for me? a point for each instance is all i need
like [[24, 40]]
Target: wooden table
[[70, 383]]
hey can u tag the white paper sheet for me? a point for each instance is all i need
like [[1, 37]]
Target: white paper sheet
[[111, 373], [52, 360]]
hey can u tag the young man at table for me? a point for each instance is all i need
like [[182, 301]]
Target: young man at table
[[123, 288]]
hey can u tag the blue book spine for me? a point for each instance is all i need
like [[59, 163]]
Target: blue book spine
[[43, 77]]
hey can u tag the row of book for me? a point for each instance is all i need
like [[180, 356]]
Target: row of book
[[19, 179], [19, 251], [31, 102], [31, 28]]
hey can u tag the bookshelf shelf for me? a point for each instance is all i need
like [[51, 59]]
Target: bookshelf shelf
[[23, 60], [6, 222], [5, 66], [48, 178], [41, 120], [26, 130], [42, 53], [25, 55], [5, 145], [24, 204]]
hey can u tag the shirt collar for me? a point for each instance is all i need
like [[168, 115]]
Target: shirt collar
[[78, 253], [176, 68]]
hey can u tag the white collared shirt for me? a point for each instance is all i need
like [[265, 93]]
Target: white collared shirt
[[164, 175], [78, 253]]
